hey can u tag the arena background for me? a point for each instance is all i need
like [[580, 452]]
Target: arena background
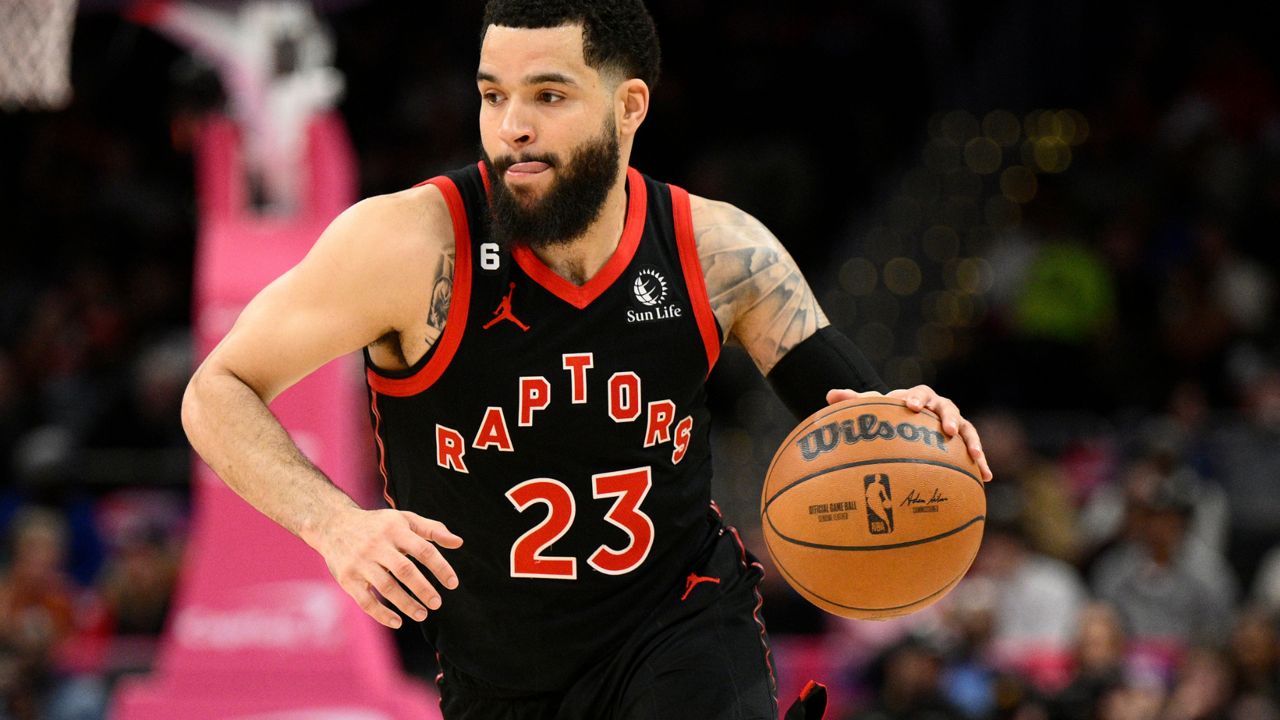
[[1059, 214]]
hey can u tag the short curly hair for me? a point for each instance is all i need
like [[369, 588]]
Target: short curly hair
[[616, 34]]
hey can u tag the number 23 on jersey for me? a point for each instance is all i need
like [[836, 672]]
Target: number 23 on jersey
[[627, 487]]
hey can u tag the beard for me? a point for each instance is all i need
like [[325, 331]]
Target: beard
[[570, 205]]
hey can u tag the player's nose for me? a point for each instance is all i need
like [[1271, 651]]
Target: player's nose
[[516, 130]]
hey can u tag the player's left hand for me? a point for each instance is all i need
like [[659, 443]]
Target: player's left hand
[[921, 397]]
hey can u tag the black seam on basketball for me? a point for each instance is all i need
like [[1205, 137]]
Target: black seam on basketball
[[855, 402], [846, 466], [792, 578], [869, 548]]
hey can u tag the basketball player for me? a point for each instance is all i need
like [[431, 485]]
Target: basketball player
[[537, 330]]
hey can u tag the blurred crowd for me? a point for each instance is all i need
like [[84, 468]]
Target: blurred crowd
[[1123, 369]]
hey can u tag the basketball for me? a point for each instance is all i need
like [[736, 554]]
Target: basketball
[[870, 512]]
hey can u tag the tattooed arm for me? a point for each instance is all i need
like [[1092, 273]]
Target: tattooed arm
[[441, 295], [361, 282], [756, 291]]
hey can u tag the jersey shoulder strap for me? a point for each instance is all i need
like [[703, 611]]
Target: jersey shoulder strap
[[694, 277], [465, 194]]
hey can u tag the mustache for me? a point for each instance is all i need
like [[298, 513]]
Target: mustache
[[503, 162]]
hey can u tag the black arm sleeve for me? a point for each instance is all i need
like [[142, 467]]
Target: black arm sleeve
[[825, 360]]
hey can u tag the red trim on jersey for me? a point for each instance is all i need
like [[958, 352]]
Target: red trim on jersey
[[809, 687], [755, 612], [382, 449], [693, 278], [581, 296], [484, 177], [456, 323]]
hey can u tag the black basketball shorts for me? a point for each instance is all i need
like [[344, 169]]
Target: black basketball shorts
[[702, 655]]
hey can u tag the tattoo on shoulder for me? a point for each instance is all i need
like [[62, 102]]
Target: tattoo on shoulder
[[756, 290], [441, 296]]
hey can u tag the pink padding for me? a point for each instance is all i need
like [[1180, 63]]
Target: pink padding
[[260, 629]]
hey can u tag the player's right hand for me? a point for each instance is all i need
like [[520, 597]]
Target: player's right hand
[[368, 552]]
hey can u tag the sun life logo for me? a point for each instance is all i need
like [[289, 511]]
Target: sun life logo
[[650, 287]]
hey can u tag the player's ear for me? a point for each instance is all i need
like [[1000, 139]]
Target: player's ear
[[631, 101]]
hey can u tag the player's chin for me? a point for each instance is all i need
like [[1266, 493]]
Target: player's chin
[[528, 194]]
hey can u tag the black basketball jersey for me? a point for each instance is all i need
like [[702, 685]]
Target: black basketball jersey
[[562, 432]]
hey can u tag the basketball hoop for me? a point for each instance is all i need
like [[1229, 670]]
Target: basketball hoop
[[275, 58], [35, 54]]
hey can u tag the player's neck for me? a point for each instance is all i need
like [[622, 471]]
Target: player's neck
[[579, 260]]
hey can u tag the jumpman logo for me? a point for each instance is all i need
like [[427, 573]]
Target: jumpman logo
[[693, 581], [503, 312]]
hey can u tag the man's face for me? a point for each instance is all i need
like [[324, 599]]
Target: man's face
[[548, 133]]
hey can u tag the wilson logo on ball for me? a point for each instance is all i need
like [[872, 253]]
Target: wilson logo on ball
[[868, 427], [879, 504]]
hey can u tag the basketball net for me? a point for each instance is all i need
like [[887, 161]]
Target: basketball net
[[35, 54]]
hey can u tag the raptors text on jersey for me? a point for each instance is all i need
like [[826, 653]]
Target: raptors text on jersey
[[623, 403]]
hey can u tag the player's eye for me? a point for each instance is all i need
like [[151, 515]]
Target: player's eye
[[549, 97], [491, 97]]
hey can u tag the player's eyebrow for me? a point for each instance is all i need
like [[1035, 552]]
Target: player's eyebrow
[[550, 77], [535, 79]]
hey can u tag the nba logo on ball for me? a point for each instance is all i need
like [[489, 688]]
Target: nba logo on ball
[[920, 526], [879, 504]]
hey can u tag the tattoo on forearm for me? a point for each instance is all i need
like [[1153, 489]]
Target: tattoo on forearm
[[754, 286], [441, 297]]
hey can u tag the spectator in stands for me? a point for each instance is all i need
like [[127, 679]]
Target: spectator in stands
[[973, 681], [1248, 455], [137, 582], [906, 685], [1048, 515], [37, 599], [1170, 590], [1098, 664], [37, 611], [1163, 447], [1038, 601]]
